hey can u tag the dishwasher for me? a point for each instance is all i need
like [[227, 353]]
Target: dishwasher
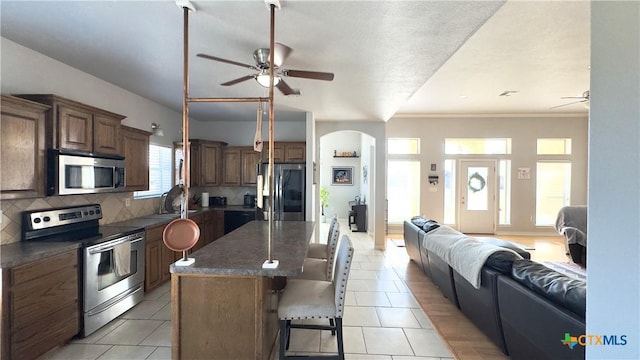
[[235, 219]]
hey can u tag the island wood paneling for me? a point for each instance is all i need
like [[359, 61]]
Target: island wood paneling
[[228, 317]]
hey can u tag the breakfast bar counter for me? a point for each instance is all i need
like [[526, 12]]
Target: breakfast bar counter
[[225, 305]]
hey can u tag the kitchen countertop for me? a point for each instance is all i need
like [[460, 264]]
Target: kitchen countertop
[[22, 252], [244, 250]]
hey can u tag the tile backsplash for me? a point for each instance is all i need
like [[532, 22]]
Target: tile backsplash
[[114, 207]]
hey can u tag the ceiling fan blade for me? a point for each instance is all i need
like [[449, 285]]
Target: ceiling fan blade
[[285, 89], [571, 103], [215, 58], [316, 75], [573, 97], [238, 80], [280, 53]]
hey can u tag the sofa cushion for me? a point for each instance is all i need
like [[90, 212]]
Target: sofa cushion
[[506, 245], [425, 224], [561, 289], [501, 261]]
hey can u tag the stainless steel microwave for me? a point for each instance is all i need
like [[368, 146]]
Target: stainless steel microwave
[[71, 173]]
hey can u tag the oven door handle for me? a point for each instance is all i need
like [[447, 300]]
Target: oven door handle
[[110, 245]]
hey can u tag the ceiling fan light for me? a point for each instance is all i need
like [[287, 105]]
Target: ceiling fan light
[[263, 79]]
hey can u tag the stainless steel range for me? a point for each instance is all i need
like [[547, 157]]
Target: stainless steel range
[[112, 257]]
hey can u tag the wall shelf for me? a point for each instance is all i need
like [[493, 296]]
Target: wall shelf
[[340, 156]]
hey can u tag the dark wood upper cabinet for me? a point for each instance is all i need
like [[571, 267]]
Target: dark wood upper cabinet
[[286, 152], [232, 170], [71, 125], [135, 148], [250, 161], [22, 147], [205, 165]]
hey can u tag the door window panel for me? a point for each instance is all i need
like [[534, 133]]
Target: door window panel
[[477, 192]]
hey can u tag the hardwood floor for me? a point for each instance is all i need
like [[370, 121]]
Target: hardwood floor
[[465, 341]]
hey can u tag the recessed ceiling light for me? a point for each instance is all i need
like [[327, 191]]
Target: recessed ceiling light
[[463, 96], [508, 92]]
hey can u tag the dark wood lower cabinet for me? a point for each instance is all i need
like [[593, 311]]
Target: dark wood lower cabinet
[[40, 306], [158, 257]]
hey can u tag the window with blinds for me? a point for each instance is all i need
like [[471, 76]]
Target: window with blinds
[[159, 172]]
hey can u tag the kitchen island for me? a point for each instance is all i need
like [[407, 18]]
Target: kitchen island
[[225, 305]]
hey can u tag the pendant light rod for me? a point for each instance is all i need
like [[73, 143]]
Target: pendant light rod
[[272, 8], [184, 206]]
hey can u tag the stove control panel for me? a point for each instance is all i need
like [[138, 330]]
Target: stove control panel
[[48, 218]]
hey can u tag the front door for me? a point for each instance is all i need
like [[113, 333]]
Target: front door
[[477, 196]]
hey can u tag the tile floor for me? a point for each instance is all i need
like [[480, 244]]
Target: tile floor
[[382, 320]]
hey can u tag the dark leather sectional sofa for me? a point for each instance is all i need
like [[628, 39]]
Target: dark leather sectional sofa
[[524, 307]]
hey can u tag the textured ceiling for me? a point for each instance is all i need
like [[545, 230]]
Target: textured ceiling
[[390, 57]]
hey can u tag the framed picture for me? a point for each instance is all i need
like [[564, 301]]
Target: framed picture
[[342, 175]]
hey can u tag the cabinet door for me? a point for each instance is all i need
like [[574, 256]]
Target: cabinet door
[[44, 305], [106, 135], [21, 149], [278, 152], [153, 257], [200, 221], [168, 257], [75, 129], [195, 165], [250, 161], [218, 224], [135, 144], [210, 164], [231, 166], [294, 152], [209, 227]]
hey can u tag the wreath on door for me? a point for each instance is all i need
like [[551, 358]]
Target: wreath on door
[[476, 182]]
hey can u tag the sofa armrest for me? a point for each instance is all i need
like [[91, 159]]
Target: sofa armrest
[[412, 241], [534, 326]]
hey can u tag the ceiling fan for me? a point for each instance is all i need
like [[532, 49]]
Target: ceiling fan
[[261, 57], [583, 99]]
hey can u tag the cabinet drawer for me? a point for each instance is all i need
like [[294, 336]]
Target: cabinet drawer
[[36, 300], [34, 270], [154, 234]]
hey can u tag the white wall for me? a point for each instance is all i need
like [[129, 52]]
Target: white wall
[[613, 297], [523, 131], [241, 133], [25, 71], [339, 195]]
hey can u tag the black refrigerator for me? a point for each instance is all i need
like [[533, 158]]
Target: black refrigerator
[[288, 192]]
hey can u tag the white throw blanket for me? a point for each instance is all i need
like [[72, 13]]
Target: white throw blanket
[[439, 241], [468, 256], [464, 254]]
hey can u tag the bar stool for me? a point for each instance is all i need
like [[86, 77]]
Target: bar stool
[[322, 269], [317, 299], [319, 251]]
